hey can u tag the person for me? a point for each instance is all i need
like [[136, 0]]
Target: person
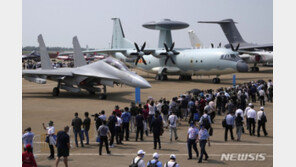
[[205, 120], [165, 112], [28, 137], [134, 112], [239, 125], [192, 137], [203, 138], [241, 112], [104, 133], [157, 130], [76, 123], [173, 119], [138, 160], [117, 110], [261, 116], [140, 125], [172, 162], [154, 162], [50, 138], [118, 130], [28, 159], [261, 97], [270, 93], [126, 117], [63, 146], [112, 120], [251, 117], [229, 125], [152, 108], [86, 126], [103, 116]]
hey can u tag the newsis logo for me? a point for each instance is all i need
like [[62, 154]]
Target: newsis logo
[[243, 156]]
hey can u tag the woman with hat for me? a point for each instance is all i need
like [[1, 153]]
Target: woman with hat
[[50, 138]]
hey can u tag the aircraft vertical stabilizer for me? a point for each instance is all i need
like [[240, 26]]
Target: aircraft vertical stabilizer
[[118, 38], [195, 41], [78, 55], [45, 60]]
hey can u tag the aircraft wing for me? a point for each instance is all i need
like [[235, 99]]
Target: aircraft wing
[[47, 72], [107, 51], [95, 74], [261, 46], [248, 52]]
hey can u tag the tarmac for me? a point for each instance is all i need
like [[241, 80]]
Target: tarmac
[[39, 106]]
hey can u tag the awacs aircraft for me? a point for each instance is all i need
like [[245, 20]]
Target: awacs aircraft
[[252, 53], [165, 60], [105, 72]]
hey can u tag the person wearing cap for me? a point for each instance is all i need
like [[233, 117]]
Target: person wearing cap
[[86, 126], [192, 137], [251, 118], [50, 138], [63, 145], [28, 159], [76, 123], [172, 162], [261, 116], [138, 160], [203, 138], [28, 137], [154, 162]]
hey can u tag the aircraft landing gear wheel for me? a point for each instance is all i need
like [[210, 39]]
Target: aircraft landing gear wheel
[[102, 96], [216, 80], [56, 91], [163, 77]]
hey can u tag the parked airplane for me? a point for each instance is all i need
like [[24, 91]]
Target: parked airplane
[[105, 72], [165, 60], [31, 56], [258, 53]]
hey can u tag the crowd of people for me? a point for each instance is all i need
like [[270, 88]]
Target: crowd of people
[[198, 108]]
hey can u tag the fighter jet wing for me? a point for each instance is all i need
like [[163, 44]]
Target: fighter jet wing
[[107, 51], [94, 74], [48, 72]]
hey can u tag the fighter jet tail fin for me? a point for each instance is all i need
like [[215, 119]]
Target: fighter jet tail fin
[[230, 30], [195, 41], [78, 55], [118, 38], [45, 60]]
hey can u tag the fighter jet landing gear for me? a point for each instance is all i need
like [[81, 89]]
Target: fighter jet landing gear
[[185, 77], [103, 95], [255, 69], [216, 80], [161, 77], [56, 90]]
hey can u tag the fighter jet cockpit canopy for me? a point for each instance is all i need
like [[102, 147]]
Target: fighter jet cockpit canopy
[[231, 57], [116, 63]]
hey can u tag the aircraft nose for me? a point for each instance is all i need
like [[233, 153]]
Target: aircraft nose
[[241, 66], [141, 82]]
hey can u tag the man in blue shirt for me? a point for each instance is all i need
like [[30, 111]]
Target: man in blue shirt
[[154, 161], [126, 117], [203, 137], [192, 138], [28, 137], [229, 125]]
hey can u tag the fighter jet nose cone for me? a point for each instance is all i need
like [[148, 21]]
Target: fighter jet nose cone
[[141, 82], [241, 66]]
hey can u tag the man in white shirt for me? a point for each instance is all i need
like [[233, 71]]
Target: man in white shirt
[[28, 137], [172, 162], [251, 118], [138, 160], [261, 97], [173, 119], [261, 117], [118, 130], [51, 142], [245, 114]]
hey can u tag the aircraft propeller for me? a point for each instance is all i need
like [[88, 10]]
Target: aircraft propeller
[[219, 46], [169, 53], [232, 48], [140, 53]]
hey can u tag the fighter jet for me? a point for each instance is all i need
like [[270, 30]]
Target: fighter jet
[[165, 60], [251, 53], [103, 73]]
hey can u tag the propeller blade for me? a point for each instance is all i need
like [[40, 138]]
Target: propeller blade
[[219, 45], [172, 60], [237, 47], [144, 61], [143, 46], [166, 60], [147, 53], [137, 47], [231, 47], [172, 47], [166, 47], [212, 45], [137, 60], [175, 52]]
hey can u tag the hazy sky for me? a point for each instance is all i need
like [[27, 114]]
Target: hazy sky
[[90, 20]]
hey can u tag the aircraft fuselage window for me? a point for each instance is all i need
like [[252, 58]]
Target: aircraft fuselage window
[[231, 57]]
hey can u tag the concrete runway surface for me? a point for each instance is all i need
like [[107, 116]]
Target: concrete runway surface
[[39, 106]]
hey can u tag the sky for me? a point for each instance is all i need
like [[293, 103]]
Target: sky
[[59, 20]]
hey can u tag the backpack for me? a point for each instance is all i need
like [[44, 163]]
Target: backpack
[[167, 164], [263, 118], [135, 164], [224, 122], [152, 164], [206, 122]]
